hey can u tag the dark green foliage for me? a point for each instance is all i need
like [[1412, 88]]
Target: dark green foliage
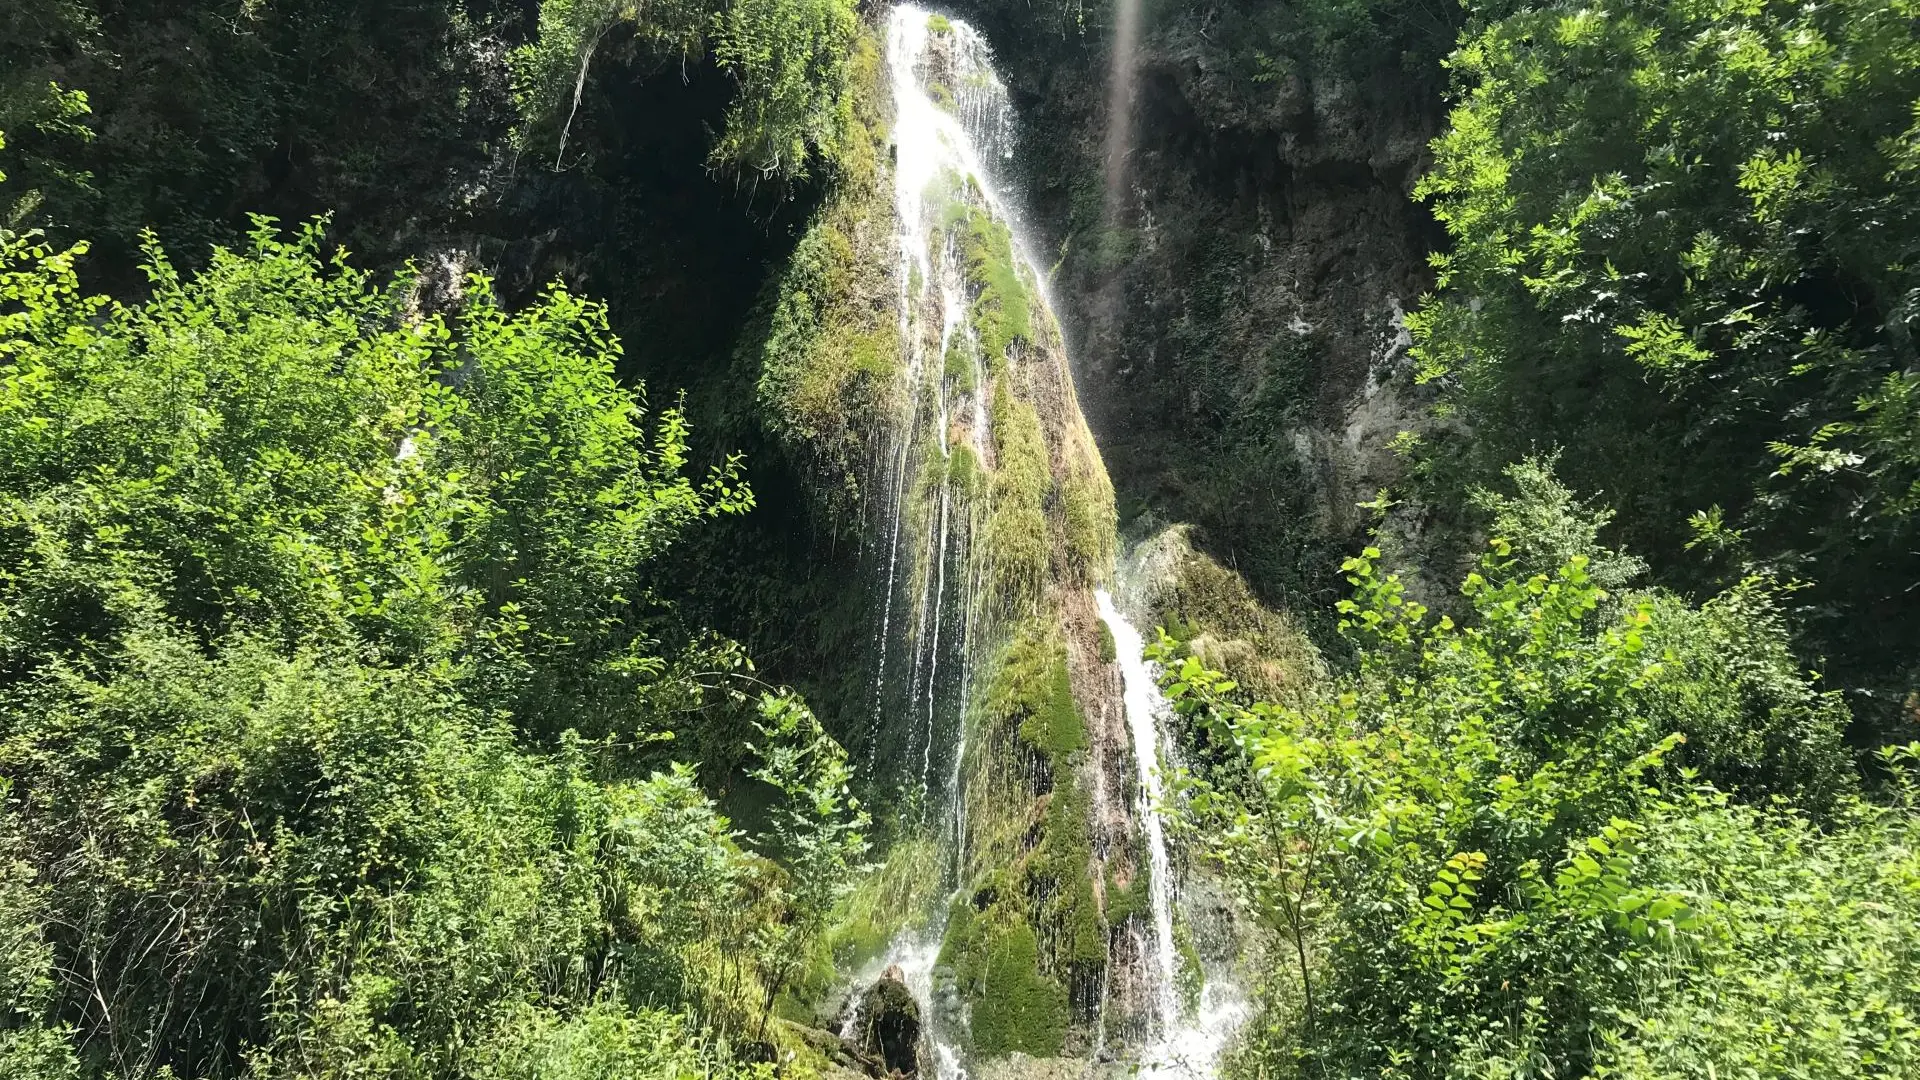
[[787, 59], [1684, 251], [191, 114], [1754, 722], [332, 699], [825, 368]]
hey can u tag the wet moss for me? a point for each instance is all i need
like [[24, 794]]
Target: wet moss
[[898, 895], [1087, 499], [1109, 652], [996, 965], [1003, 309], [1033, 826], [1060, 874], [826, 360], [1054, 725], [963, 471], [1016, 539]]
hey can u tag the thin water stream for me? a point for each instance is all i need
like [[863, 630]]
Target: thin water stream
[[1189, 1043]]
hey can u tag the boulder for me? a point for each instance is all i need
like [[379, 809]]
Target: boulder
[[887, 1025]]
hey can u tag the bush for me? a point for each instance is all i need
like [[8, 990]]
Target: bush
[[1479, 856], [331, 695], [1683, 252]]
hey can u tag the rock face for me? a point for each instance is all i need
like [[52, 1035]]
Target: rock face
[[888, 1024], [1233, 297]]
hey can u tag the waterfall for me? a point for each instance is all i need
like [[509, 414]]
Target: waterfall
[[925, 542], [937, 627], [1143, 704], [1188, 1046]]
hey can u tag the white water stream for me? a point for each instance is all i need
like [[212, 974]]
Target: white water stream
[[1188, 1046]]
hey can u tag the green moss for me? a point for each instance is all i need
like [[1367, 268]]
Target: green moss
[[1060, 872], [1087, 498], [898, 895], [1016, 532], [1055, 727], [941, 95], [1017, 1008], [826, 359], [1041, 887], [939, 24], [1023, 683], [963, 471], [959, 364], [1134, 898], [1108, 651], [1215, 615], [1003, 310]]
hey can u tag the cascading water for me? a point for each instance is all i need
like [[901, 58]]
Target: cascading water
[[1188, 1045], [951, 119], [952, 135]]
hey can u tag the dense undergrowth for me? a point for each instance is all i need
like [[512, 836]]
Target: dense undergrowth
[[1559, 836], [341, 733], [359, 711]]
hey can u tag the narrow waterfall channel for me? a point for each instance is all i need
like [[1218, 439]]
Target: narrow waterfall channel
[[1188, 1045], [941, 152]]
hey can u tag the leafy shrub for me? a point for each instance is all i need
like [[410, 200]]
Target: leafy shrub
[[1683, 252], [787, 57], [331, 694], [1480, 859]]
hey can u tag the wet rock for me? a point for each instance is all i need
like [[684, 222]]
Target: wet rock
[[888, 1024]]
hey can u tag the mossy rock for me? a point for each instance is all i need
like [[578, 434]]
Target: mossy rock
[[1056, 727], [1018, 1008], [888, 1023]]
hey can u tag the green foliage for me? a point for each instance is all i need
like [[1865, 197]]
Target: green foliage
[[1683, 250], [1481, 858], [788, 60], [183, 115], [899, 894], [603, 1041], [1754, 722], [333, 704]]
